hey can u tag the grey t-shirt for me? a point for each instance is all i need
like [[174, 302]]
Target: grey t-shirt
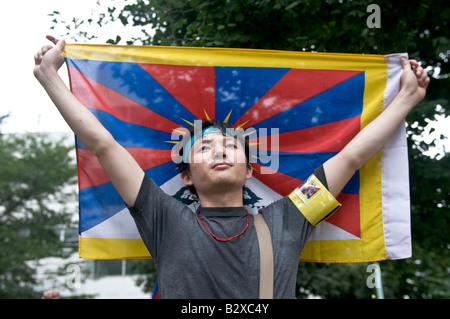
[[192, 264]]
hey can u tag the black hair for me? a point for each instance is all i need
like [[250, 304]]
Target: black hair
[[183, 166]]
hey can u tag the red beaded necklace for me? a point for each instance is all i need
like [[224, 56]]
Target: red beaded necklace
[[223, 239]]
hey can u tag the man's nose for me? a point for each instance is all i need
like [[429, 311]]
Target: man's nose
[[219, 150]]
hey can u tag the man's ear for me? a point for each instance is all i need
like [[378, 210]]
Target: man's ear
[[249, 171], [186, 178]]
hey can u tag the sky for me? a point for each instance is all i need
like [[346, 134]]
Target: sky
[[24, 25]]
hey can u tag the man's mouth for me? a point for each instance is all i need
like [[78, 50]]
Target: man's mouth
[[221, 165]]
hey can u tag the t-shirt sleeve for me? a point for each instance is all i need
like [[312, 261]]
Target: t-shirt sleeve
[[313, 199], [152, 209]]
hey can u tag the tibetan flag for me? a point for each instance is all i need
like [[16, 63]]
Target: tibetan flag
[[298, 110]]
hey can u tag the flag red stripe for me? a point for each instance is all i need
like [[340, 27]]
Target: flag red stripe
[[91, 173], [331, 137], [347, 217], [281, 183], [296, 86], [97, 96], [192, 86]]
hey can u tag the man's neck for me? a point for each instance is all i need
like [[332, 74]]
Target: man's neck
[[226, 199]]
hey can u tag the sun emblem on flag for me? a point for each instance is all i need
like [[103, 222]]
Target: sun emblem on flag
[[245, 134]]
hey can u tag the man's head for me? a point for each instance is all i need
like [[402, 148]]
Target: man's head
[[214, 156]]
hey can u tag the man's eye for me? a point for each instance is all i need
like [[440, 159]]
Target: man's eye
[[231, 145], [205, 148]]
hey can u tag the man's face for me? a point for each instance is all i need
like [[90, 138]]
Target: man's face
[[217, 163]]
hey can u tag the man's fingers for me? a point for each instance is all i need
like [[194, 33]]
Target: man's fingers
[[54, 294], [45, 48], [414, 63], [404, 63], [61, 44], [52, 39], [409, 63], [37, 58], [424, 79]]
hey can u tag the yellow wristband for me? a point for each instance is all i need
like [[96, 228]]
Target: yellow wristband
[[314, 201]]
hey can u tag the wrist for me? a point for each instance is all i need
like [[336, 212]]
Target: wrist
[[46, 75], [407, 99]]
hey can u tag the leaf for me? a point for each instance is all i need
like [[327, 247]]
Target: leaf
[[116, 41]]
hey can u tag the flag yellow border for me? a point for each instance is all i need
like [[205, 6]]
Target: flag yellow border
[[375, 70], [112, 248]]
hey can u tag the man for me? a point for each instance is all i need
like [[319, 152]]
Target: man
[[214, 253]]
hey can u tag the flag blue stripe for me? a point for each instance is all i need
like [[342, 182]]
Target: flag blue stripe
[[131, 135], [239, 88], [101, 202], [133, 82], [340, 102], [302, 165]]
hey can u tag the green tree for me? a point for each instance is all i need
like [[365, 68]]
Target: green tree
[[35, 175], [417, 27]]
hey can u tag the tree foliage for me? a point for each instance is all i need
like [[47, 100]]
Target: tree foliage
[[417, 27], [34, 171]]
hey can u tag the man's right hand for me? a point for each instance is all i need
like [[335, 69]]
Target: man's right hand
[[49, 58]]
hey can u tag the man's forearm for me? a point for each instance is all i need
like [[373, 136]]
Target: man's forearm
[[122, 169], [372, 137], [82, 122], [341, 167]]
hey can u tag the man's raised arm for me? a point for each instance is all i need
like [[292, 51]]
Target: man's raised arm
[[122, 169], [340, 168]]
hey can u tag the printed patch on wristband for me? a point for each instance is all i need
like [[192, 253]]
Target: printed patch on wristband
[[309, 189], [314, 201]]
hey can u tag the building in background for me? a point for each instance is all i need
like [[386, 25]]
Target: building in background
[[85, 278]]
